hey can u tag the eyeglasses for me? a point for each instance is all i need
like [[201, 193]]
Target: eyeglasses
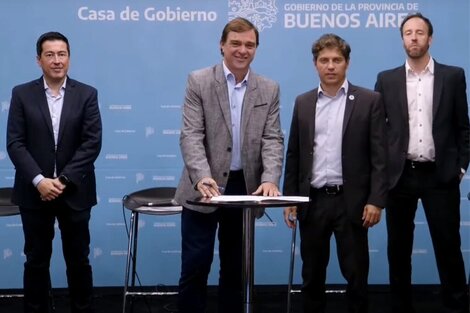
[[51, 56]]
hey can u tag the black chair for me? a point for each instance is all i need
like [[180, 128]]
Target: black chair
[[153, 201], [8, 208]]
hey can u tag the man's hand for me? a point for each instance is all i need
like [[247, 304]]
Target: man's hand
[[208, 187], [461, 174], [290, 216], [371, 215], [50, 188], [267, 189]]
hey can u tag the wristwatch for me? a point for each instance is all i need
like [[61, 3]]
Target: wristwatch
[[64, 180]]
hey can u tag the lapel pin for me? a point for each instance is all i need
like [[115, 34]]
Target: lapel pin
[[351, 97]]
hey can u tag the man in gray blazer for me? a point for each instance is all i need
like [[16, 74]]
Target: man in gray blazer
[[336, 155], [230, 139], [428, 140]]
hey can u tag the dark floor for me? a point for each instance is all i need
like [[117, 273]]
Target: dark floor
[[267, 299]]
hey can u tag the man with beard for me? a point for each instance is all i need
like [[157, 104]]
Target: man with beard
[[428, 141]]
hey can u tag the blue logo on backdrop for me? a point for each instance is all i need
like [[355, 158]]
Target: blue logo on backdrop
[[7, 253], [261, 13], [97, 252], [5, 105], [139, 177], [149, 131]]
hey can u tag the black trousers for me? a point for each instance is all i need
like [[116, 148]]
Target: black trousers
[[198, 232], [38, 228], [327, 216], [441, 203]]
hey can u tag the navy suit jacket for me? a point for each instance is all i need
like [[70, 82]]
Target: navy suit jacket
[[363, 154], [31, 146], [450, 125]]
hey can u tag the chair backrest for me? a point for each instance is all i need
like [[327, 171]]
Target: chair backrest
[[7, 207]]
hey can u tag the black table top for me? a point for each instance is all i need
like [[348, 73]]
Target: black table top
[[267, 203]]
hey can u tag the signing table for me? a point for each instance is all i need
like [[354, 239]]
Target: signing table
[[248, 203]]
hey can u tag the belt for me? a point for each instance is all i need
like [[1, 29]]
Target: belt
[[329, 190], [420, 165], [238, 174]]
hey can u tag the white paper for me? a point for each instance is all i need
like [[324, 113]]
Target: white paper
[[258, 198]]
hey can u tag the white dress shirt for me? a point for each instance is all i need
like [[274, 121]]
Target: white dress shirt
[[419, 90], [236, 93], [55, 104], [327, 168]]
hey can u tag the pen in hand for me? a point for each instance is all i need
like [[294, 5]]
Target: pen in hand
[[219, 188]]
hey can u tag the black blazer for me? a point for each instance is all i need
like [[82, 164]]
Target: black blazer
[[31, 147], [363, 150], [450, 126]]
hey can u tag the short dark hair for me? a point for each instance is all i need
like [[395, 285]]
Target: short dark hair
[[418, 15], [50, 36], [331, 41], [238, 25]]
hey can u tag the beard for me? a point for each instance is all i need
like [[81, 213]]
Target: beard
[[417, 52]]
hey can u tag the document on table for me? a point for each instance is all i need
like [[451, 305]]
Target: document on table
[[224, 198]]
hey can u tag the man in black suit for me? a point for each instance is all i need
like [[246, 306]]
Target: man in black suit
[[53, 139], [337, 156], [428, 142]]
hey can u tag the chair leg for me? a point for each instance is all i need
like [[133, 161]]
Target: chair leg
[[131, 257], [291, 268], [51, 297]]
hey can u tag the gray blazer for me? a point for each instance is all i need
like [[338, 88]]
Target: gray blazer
[[206, 134]]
